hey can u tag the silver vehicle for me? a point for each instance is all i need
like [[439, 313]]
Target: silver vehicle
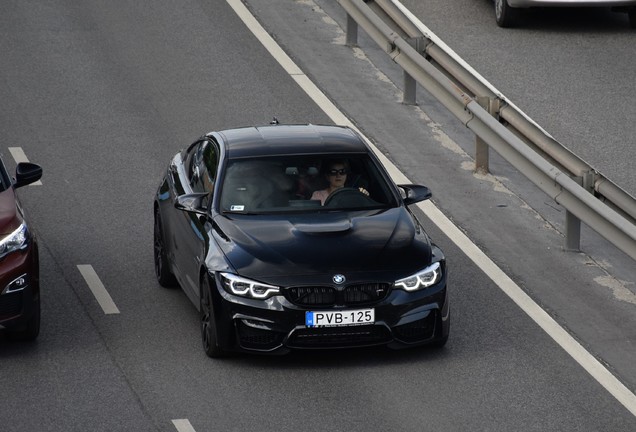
[[508, 12]]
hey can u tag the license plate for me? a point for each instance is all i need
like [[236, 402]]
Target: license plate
[[339, 318]]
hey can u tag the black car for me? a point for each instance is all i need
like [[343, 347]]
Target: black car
[[245, 224], [19, 260]]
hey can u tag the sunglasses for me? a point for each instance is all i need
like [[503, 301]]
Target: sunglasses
[[333, 172]]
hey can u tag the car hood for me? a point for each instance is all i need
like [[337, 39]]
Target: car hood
[[9, 218], [264, 247]]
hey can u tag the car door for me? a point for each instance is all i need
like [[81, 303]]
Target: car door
[[190, 242]]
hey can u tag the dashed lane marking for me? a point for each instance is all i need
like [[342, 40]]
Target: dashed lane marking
[[183, 425], [98, 289]]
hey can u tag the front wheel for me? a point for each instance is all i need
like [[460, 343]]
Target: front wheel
[[631, 14], [209, 335], [506, 15]]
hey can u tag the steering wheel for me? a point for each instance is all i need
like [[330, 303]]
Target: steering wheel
[[348, 197]]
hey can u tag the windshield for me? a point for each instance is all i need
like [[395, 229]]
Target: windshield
[[5, 180], [281, 184]]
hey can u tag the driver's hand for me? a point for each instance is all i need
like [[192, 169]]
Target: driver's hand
[[364, 191]]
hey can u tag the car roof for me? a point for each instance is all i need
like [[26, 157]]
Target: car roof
[[273, 140]]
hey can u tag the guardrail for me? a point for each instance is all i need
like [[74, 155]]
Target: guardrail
[[584, 192]]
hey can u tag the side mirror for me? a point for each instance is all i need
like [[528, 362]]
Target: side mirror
[[193, 203], [26, 173], [415, 193]]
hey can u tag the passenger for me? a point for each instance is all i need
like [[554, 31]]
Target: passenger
[[254, 185], [336, 175]]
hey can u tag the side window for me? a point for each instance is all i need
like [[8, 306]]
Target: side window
[[190, 162], [202, 168]]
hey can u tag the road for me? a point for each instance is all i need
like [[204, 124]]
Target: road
[[571, 70], [103, 93]]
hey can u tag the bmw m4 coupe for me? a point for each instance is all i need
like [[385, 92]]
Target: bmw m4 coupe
[[292, 237]]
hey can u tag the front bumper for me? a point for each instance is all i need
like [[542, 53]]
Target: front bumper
[[277, 325]]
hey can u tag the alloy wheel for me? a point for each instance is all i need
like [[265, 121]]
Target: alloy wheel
[[208, 325]]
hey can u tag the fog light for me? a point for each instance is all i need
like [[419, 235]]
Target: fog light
[[18, 284]]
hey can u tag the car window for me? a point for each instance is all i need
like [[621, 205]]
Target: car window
[[302, 183], [202, 167], [5, 179]]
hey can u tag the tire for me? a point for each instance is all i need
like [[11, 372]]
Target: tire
[[631, 15], [209, 334], [30, 330], [444, 333], [506, 15], [162, 267]]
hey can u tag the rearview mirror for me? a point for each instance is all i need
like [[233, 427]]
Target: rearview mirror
[[415, 193], [26, 173], [193, 203]]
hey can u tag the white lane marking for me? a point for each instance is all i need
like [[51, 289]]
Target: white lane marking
[[507, 285], [98, 289], [183, 425], [19, 156], [599, 372]]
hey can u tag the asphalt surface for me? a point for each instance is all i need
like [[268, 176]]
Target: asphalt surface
[[569, 69], [103, 93]]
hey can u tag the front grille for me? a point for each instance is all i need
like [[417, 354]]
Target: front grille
[[339, 337], [311, 296], [329, 296], [365, 293], [10, 305]]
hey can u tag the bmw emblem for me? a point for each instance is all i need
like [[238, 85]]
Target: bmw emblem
[[339, 279]]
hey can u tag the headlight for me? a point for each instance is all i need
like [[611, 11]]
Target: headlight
[[422, 279], [17, 240], [247, 288]]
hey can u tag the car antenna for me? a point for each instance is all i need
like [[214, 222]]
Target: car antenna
[[274, 121]]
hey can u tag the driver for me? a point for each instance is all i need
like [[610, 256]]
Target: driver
[[336, 175]]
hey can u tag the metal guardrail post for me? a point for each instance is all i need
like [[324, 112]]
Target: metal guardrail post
[[352, 31], [481, 147], [410, 84], [573, 227], [482, 158], [572, 232], [410, 90]]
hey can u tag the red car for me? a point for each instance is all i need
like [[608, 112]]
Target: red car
[[19, 263]]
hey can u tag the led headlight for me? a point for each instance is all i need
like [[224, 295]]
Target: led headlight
[[422, 279], [247, 288], [17, 240]]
